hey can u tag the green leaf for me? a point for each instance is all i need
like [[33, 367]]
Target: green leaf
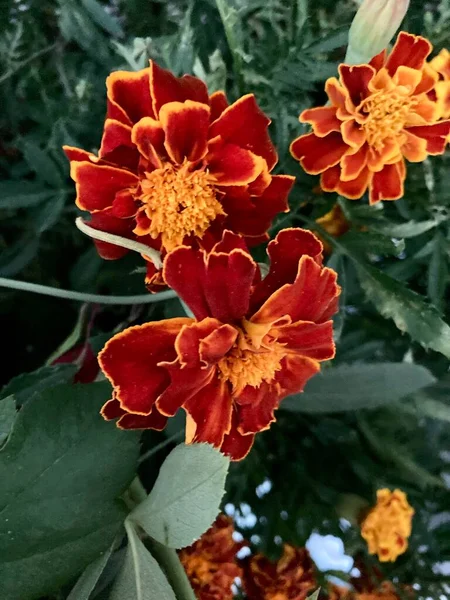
[[359, 386], [90, 576], [432, 402], [46, 216], [370, 242], [410, 312], [438, 272], [331, 41], [102, 18], [314, 596], [27, 385], [41, 163], [62, 470], [22, 194], [140, 578], [8, 414], [403, 230], [18, 255], [186, 496]]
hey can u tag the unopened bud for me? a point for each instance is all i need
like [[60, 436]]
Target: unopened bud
[[373, 27]]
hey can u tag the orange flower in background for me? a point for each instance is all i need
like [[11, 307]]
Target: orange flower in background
[[210, 563], [251, 342], [292, 577], [388, 525], [334, 223], [379, 115], [176, 165], [441, 64]]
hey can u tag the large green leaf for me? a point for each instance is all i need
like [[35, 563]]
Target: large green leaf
[[353, 387], [22, 194], [62, 471], [432, 402], [140, 578], [8, 413], [89, 578], [186, 496], [27, 385]]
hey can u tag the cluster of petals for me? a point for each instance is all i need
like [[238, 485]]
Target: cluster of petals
[[384, 591], [177, 166], [441, 64], [292, 577], [378, 115], [388, 525], [251, 342], [211, 563]]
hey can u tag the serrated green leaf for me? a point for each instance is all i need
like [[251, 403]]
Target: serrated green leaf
[[370, 242], [359, 386], [45, 216], [438, 272], [42, 164], [25, 386], [432, 402], [403, 230], [103, 18], [90, 576], [62, 470], [8, 414], [22, 194], [331, 41], [186, 497], [140, 578]]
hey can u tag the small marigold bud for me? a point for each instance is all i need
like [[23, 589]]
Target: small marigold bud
[[373, 27], [387, 527]]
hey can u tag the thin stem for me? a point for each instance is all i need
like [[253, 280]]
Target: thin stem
[[82, 297], [117, 240], [170, 563], [160, 446], [28, 60]]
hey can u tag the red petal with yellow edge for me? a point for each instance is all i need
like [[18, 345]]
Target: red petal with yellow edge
[[285, 252], [410, 51], [231, 165], [124, 205], [356, 79], [148, 135], [245, 125], [219, 287], [219, 103], [97, 185], [77, 154], [425, 112], [435, 135], [429, 80], [105, 222], [185, 125], [389, 154], [235, 445], [354, 189], [214, 347], [353, 164], [415, 148], [308, 339], [323, 120], [256, 412], [130, 362], [230, 241], [330, 178], [353, 134], [296, 372], [184, 384], [336, 93], [407, 77], [379, 60], [188, 343], [210, 409], [318, 154], [112, 410], [115, 134], [387, 184], [312, 297], [142, 223], [130, 91], [155, 420], [165, 87]]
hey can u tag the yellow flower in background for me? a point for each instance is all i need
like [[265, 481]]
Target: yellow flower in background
[[387, 527], [441, 64], [335, 224]]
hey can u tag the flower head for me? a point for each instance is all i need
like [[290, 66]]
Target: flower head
[[379, 115], [250, 343], [177, 166], [292, 577], [387, 527], [373, 27], [334, 223], [441, 64], [211, 563]]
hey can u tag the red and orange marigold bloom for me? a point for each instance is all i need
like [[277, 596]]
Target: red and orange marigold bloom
[[441, 64], [251, 342], [292, 577], [379, 114], [211, 563], [388, 525], [177, 165]]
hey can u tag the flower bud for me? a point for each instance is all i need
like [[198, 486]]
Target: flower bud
[[373, 27]]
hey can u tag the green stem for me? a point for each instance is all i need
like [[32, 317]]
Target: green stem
[[230, 24], [28, 60], [170, 563], [46, 290], [160, 446]]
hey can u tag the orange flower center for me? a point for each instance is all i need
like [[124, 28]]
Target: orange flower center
[[245, 364], [179, 203], [386, 115]]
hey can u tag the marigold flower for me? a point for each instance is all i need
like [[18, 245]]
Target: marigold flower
[[379, 115], [250, 344], [211, 564], [387, 527], [176, 165], [292, 577], [334, 223], [441, 64]]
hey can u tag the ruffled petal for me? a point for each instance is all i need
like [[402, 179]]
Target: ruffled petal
[[355, 188], [185, 125], [336, 93], [231, 165], [353, 164], [148, 135], [308, 339], [296, 372], [356, 79], [112, 410], [115, 134], [435, 135], [235, 445], [209, 414], [97, 185], [318, 154], [219, 103], [415, 148], [353, 134], [77, 154], [256, 412], [117, 226], [388, 184], [245, 125], [165, 87], [155, 420], [130, 362], [129, 94], [323, 120], [409, 51]]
